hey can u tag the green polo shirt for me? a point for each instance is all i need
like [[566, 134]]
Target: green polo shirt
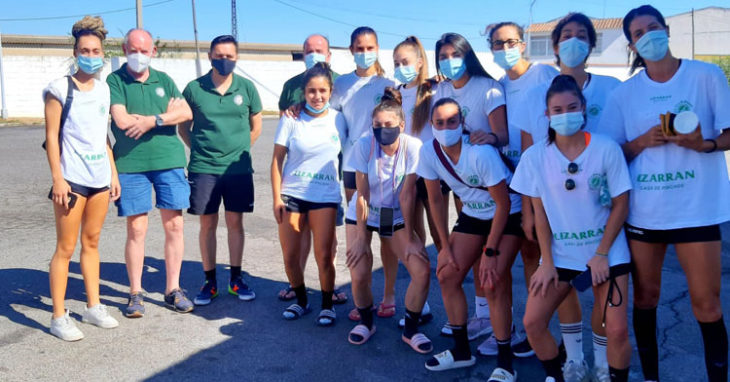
[[292, 92], [157, 149], [220, 141]]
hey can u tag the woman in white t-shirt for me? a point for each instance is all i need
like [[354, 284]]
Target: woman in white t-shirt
[[306, 189], [578, 185], [84, 175], [489, 223], [680, 193], [385, 163]]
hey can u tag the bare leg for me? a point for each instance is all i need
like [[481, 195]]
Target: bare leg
[[92, 221], [134, 250], [172, 223], [67, 231], [207, 240]]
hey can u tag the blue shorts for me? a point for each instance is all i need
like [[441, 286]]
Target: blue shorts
[[207, 191], [172, 191]]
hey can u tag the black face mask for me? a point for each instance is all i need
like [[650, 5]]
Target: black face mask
[[223, 66], [386, 135]]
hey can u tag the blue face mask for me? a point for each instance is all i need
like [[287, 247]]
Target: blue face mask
[[89, 65], [653, 45], [452, 68], [448, 137], [406, 73], [312, 58], [365, 60], [567, 124], [573, 52], [316, 111], [507, 58]]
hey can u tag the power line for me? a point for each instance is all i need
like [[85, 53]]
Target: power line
[[84, 14]]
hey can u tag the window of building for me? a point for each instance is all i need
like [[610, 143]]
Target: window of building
[[599, 44], [540, 46]]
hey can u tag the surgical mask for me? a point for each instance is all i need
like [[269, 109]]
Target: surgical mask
[[313, 58], [317, 111], [653, 45], [567, 124], [452, 68], [138, 62], [448, 137], [573, 52], [406, 73], [223, 66], [365, 60], [507, 58], [89, 65], [386, 135]]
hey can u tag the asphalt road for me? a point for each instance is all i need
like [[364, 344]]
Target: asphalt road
[[230, 339]]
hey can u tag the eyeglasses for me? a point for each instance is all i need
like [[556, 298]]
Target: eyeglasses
[[499, 44], [570, 183]]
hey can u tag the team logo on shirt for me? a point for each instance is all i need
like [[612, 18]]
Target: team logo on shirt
[[682, 106], [594, 182], [473, 180], [378, 98], [238, 99], [465, 111], [335, 138], [160, 92], [102, 110], [593, 110]]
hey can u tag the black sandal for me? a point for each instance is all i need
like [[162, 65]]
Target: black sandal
[[295, 311], [326, 317]]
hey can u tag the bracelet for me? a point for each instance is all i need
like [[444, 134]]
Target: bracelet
[[601, 254], [491, 252], [714, 145], [496, 138]]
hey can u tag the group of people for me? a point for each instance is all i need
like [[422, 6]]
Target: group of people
[[571, 169]]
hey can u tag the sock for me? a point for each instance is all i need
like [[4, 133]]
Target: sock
[[553, 369], [573, 340], [561, 353], [461, 350], [714, 336], [210, 276], [301, 292], [504, 355], [619, 375], [327, 299], [645, 332], [599, 351], [235, 273], [411, 326], [366, 316], [481, 307]]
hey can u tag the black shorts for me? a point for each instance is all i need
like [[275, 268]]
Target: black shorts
[[421, 192], [207, 190], [674, 236], [302, 206], [348, 179], [567, 275], [474, 226], [84, 190], [375, 229]]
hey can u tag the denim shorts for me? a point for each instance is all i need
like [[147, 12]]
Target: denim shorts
[[172, 191]]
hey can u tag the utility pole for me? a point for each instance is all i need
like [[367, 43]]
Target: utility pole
[[234, 20], [198, 70], [4, 110], [139, 14], [693, 33]]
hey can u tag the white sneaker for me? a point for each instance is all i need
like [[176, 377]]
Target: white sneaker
[[64, 328], [502, 375], [549, 379], [478, 326], [601, 375], [575, 371], [97, 315], [446, 330]]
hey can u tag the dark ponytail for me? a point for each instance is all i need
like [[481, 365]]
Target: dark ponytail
[[359, 31], [391, 101], [562, 84], [644, 10]]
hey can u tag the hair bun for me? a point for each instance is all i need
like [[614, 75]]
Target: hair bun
[[392, 94], [93, 24]]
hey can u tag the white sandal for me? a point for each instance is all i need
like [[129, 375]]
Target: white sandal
[[445, 361]]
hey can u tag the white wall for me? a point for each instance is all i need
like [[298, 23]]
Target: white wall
[[712, 33]]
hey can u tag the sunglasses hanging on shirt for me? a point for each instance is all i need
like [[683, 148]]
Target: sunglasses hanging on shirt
[[570, 183]]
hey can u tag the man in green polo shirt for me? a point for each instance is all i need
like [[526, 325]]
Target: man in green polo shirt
[[146, 106], [226, 122]]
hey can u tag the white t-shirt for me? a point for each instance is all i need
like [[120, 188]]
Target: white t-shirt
[[356, 97], [576, 217], [84, 158], [596, 91], [368, 158], [478, 98], [674, 187], [311, 168], [409, 97], [516, 94], [479, 166]]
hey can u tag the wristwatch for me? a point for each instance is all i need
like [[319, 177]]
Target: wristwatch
[[158, 121], [491, 252]]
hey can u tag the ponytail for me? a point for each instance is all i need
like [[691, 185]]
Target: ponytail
[[391, 101], [425, 86], [359, 31]]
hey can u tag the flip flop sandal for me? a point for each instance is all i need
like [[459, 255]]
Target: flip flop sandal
[[386, 310], [287, 295], [362, 331], [295, 311], [326, 317], [502, 375], [445, 361], [418, 342], [339, 297]]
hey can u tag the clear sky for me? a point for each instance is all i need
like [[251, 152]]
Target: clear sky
[[290, 21]]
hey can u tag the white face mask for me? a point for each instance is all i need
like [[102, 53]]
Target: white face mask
[[448, 137], [138, 62]]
